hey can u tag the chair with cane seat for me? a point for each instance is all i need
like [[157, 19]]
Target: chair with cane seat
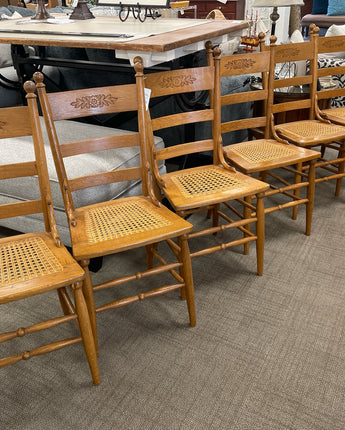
[[201, 188], [314, 131], [111, 227], [36, 263], [266, 156]]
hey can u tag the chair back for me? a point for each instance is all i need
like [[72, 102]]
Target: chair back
[[243, 64], [23, 121], [332, 68], [288, 54], [75, 104], [178, 83]]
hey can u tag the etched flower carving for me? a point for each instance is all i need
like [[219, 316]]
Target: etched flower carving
[[240, 64], [177, 81], [94, 101], [2, 124]]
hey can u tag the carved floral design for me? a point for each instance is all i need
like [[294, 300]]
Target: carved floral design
[[240, 63], [177, 81], [94, 101], [2, 124]]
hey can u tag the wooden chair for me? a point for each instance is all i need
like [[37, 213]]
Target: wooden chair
[[326, 45], [313, 131], [36, 263], [264, 156], [122, 224], [201, 188]]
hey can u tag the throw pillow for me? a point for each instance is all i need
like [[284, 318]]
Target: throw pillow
[[335, 30], [336, 7], [319, 7]]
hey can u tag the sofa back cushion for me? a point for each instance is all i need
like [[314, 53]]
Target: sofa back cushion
[[319, 7], [336, 7]]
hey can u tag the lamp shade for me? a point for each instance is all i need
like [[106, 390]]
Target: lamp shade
[[277, 3]]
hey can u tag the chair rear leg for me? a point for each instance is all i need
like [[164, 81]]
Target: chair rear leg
[[310, 196], [260, 233], [86, 332], [188, 277], [341, 168], [89, 298], [298, 179], [247, 214]]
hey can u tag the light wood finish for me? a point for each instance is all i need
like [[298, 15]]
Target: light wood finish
[[263, 156], [314, 131], [35, 263], [122, 224], [326, 46], [156, 43], [201, 188]]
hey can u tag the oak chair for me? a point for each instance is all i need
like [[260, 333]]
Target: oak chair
[[115, 226], [201, 188], [326, 45], [314, 131], [264, 156], [36, 263]]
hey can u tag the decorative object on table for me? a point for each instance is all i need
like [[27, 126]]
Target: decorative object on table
[[139, 10], [41, 11], [81, 11], [275, 4], [255, 27], [251, 39]]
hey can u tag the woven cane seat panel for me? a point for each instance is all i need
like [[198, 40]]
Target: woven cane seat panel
[[122, 219], [311, 129], [336, 112], [254, 152], [26, 259], [204, 182]]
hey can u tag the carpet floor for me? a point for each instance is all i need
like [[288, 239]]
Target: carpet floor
[[268, 353]]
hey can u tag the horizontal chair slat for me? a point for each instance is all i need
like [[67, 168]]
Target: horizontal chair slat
[[290, 82], [179, 81], [100, 101], [294, 52], [329, 71], [258, 62], [330, 44], [99, 144], [241, 124], [20, 208], [182, 149], [104, 178], [182, 119], [328, 94], [300, 104], [243, 97], [18, 170]]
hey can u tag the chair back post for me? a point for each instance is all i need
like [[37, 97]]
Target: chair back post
[[270, 97], [142, 125], [313, 67], [215, 104], [62, 175]]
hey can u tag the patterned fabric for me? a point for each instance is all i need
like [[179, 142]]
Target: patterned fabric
[[337, 80]]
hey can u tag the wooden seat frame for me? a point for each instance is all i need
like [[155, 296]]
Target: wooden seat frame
[[314, 131], [36, 263], [124, 223], [201, 188], [264, 156]]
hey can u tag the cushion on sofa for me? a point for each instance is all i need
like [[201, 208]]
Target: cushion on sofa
[[336, 7], [319, 7], [335, 30]]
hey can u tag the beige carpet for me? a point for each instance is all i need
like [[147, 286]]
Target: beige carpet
[[268, 353]]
